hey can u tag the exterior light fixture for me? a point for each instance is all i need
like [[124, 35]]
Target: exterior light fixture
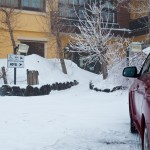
[[23, 48]]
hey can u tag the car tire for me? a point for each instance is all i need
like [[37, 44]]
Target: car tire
[[132, 127], [145, 140]]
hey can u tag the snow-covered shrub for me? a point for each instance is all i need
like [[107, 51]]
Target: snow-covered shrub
[[115, 70], [137, 59], [97, 42]]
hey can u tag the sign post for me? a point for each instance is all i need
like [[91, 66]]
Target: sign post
[[15, 61]]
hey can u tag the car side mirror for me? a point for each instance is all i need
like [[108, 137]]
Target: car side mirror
[[130, 72]]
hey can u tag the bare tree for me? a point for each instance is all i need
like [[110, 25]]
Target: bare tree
[[97, 43], [55, 27], [8, 19]]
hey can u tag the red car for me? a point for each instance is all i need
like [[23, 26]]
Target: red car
[[139, 102]]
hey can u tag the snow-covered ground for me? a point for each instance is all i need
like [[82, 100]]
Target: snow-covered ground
[[74, 119]]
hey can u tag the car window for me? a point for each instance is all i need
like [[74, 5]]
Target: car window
[[146, 66]]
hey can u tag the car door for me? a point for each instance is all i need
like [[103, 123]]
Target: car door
[[140, 86]]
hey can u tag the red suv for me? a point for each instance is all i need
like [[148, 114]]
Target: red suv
[[139, 102]]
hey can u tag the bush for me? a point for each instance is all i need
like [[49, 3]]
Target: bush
[[29, 91], [6, 90], [16, 91]]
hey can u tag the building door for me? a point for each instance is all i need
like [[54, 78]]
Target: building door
[[35, 47]]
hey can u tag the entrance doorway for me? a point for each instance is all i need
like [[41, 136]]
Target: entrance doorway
[[35, 47]]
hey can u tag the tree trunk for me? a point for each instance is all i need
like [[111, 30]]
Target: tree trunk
[[104, 70], [10, 29], [60, 53]]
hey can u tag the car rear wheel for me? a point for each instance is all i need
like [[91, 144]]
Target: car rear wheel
[[145, 140], [132, 127]]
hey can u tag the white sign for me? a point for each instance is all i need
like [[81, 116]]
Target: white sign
[[135, 47], [15, 64], [15, 61], [15, 58]]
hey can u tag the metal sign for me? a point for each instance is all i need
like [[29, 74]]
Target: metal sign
[[15, 61], [15, 64], [15, 58]]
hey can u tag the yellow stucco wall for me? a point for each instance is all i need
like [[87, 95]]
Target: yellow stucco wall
[[138, 9], [65, 39], [142, 38], [32, 26]]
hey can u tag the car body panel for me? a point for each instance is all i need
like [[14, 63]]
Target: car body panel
[[139, 97], [148, 127]]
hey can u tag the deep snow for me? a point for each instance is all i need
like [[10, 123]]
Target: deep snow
[[72, 119]]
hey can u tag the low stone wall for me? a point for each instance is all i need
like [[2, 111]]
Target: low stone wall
[[7, 90], [92, 87]]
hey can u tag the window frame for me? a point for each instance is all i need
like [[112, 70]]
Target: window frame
[[110, 16], [43, 9], [9, 5], [20, 6]]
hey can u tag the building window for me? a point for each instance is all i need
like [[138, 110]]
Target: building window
[[33, 5], [63, 1], [72, 9], [82, 2], [9, 3], [38, 5], [109, 16], [67, 12], [75, 2], [108, 12], [71, 2], [26, 3], [67, 9], [81, 13]]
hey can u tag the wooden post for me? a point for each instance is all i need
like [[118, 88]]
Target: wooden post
[[32, 77], [4, 75], [28, 77], [35, 77]]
